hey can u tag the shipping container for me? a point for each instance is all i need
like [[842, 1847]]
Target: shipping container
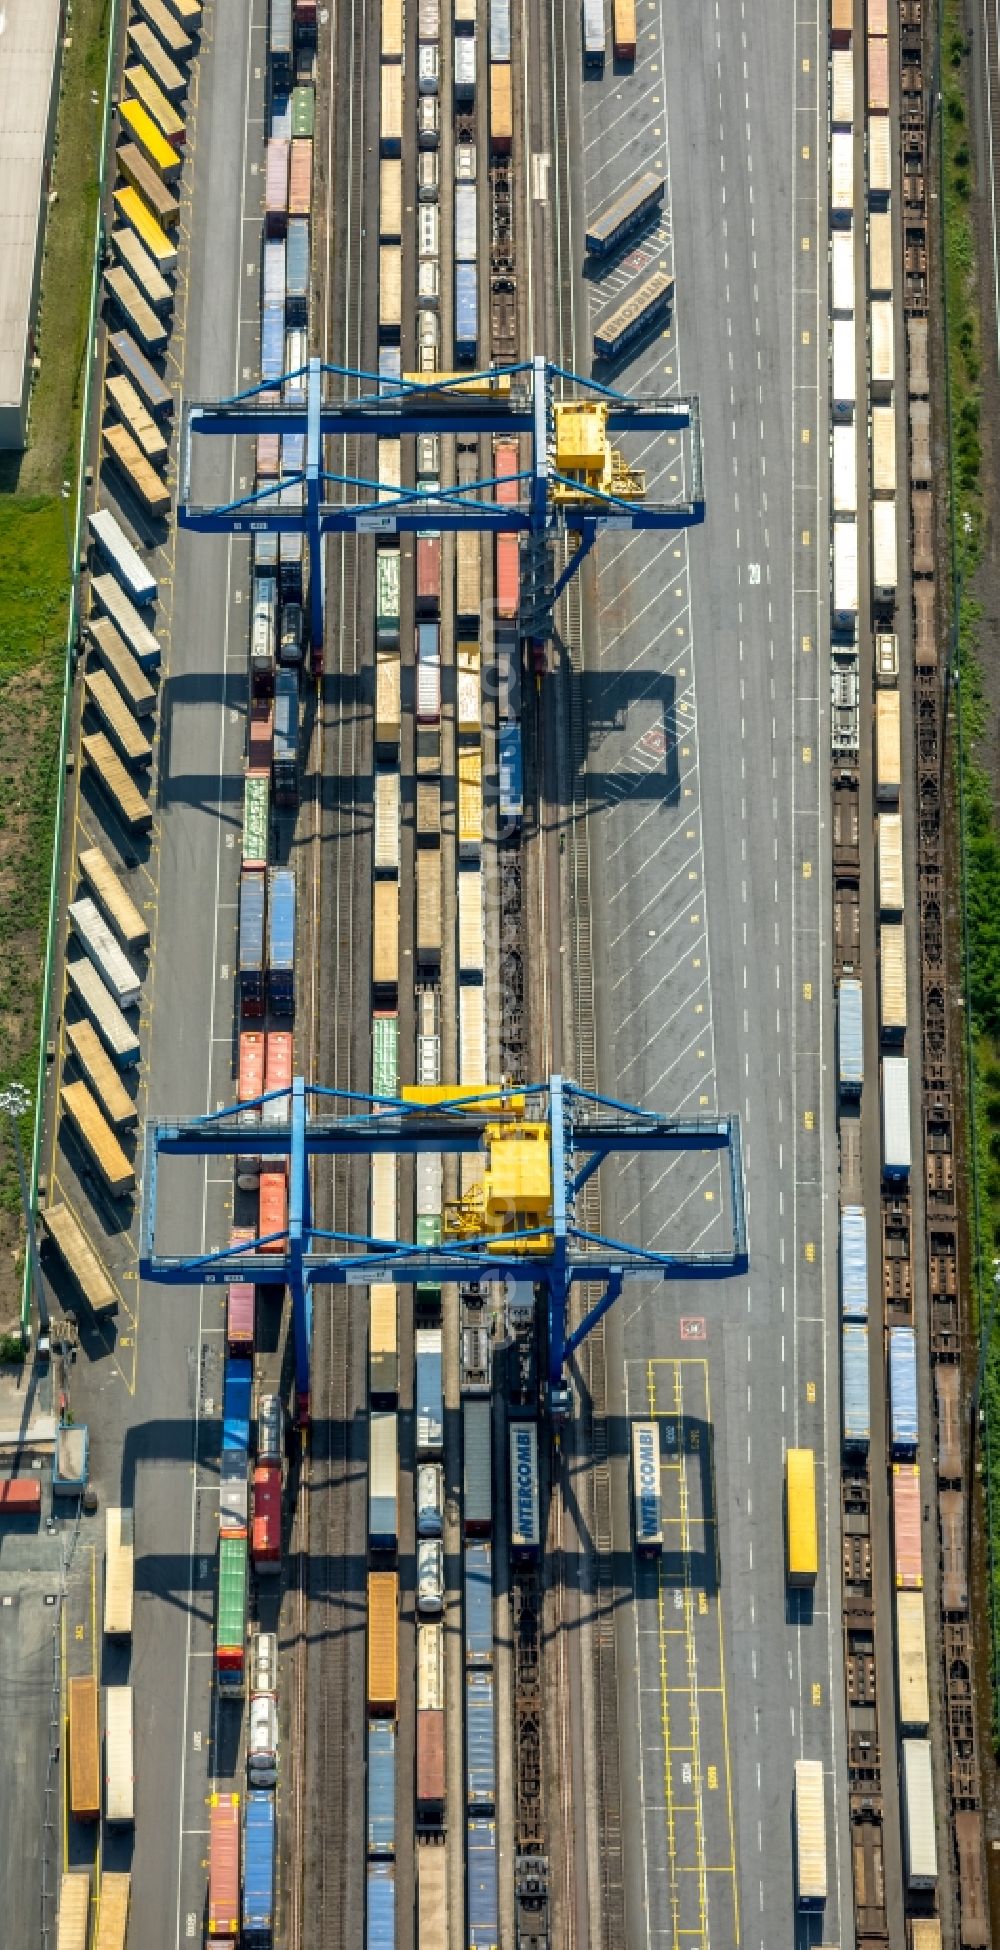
[[464, 67], [481, 1885], [391, 109], [883, 449], [97, 1138], [381, 1788], [126, 673], [844, 369], [594, 39], [281, 940], [119, 1765], [842, 273], [381, 1926], [304, 110], [845, 577], [300, 177], [224, 1865], [511, 777], [842, 88], [276, 156], [256, 829], [84, 1750], [234, 1489], [841, 22], [430, 1666], [856, 1422], [258, 1868], [273, 1210], [501, 109], [127, 623], [841, 176], [383, 1357], [100, 946], [642, 308], [392, 30], [890, 862], [466, 311], [231, 1613], [266, 1535], [903, 1391], [878, 75], [623, 21], [169, 77], [430, 1770], [647, 1512], [142, 267], [911, 1661], [385, 1055], [850, 1037], [428, 576], [801, 1532], [387, 701], [884, 562], [465, 223], [145, 89], [116, 1032], [383, 1469], [853, 1263], [471, 1034], [480, 1742], [73, 1923], [477, 1453], [297, 271], [119, 1572], [429, 1184], [112, 1915], [883, 369], [896, 1150], [525, 1533], [386, 856], [478, 1592], [880, 254], [280, 44], [429, 1400], [906, 1515], [471, 939], [887, 745], [383, 1605], [428, 906], [20, 1496], [469, 765], [383, 1197], [285, 754], [810, 1835], [919, 1832], [628, 209]]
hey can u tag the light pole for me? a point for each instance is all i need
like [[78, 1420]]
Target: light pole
[[14, 1099]]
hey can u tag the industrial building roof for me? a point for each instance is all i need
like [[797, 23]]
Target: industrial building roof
[[29, 34]]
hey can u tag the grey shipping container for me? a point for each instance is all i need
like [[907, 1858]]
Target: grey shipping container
[[281, 940], [850, 1037], [480, 1742], [499, 30], [853, 1263], [855, 1383], [429, 1399], [252, 898], [918, 1815], [478, 1582], [381, 1787], [233, 1489], [465, 223], [381, 1927], [383, 1447], [903, 1390], [481, 1884], [297, 271], [465, 67], [285, 757], [477, 1434]]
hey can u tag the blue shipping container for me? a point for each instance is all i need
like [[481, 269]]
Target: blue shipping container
[[237, 1389], [850, 1037], [480, 1742], [281, 115], [511, 773], [252, 895], [390, 367], [272, 340], [466, 311], [429, 1393], [280, 41], [258, 1867], [478, 1605], [903, 1389], [481, 1884], [381, 1788], [293, 453], [853, 1263], [281, 941], [297, 271], [285, 757], [381, 1932], [855, 1383], [499, 30]]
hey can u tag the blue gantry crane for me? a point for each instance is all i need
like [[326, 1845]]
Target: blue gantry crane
[[576, 483], [539, 1145]]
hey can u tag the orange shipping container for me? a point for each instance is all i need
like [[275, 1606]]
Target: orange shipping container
[[224, 1865], [430, 1758], [906, 1526], [501, 116], [300, 177], [429, 573], [251, 1080], [267, 1517], [273, 1208], [878, 77], [841, 22], [383, 1605], [505, 466], [624, 30], [508, 575], [84, 1750], [878, 16]]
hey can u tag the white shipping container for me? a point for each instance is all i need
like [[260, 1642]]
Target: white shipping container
[[884, 550], [428, 1059], [388, 469], [879, 157], [883, 364], [896, 1153], [842, 88], [387, 822], [119, 1768], [470, 923], [467, 705], [845, 372], [429, 20], [428, 230], [99, 945], [842, 273], [472, 1035], [892, 978], [383, 1219], [428, 689], [465, 223], [888, 745], [810, 1835], [845, 574], [918, 1815], [430, 1668], [465, 67], [841, 175], [883, 450], [890, 863], [880, 254], [119, 1572], [845, 471]]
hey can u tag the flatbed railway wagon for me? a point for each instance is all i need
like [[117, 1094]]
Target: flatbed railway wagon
[[626, 211], [810, 1835], [84, 1750], [640, 310], [119, 1572]]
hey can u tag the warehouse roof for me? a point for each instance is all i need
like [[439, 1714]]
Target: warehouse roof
[[29, 36]]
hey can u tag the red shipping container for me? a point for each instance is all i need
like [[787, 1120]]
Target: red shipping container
[[430, 1758], [241, 1297], [276, 186], [260, 738], [251, 1080], [305, 13], [224, 1865], [429, 573], [20, 1495], [300, 177], [268, 456], [266, 1536], [906, 1514], [505, 463], [278, 1067], [878, 77], [273, 1209], [508, 575]]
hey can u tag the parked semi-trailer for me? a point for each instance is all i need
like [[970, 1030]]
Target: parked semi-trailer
[[119, 1561], [594, 37], [629, 208], [119, 1764], [810, 1835], [637, 314], [112, 1914], [116, 549], [73, 1922], [646, 1499], [116, 1032], [84, 1750]]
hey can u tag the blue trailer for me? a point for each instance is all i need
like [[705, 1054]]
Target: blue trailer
[[856, 1423], [285, 755], [297, 271], [903, 1390], [850, 1037], [466, 311], [237, 1390], [281, 941], [511, 775], [481, 1885], [480, 1743], [853, 1263], [252, 901], [478, 1605], [381, 1931], [258, 1869], [381, 1787]]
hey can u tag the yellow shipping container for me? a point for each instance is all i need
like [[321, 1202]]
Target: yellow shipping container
[[428, 904], [390, 200], [802, 1541], [890, 863], [98, 1139], [387, 696], [892, 977], [384, 1195], [385, 934], [392, 30], [469, 706], [112, 1919], [151, 139], [383, 1651], [911, 1661], [887, 745], [470, 802], [391, 109], [74, 1910], [883, 449]]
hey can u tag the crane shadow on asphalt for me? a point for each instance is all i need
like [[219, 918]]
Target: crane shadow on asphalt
[[639, 709]]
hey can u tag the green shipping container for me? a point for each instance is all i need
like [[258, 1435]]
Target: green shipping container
[[385, 1056], [429, 1230], [231, 1616], [255, 804], [387, 594], [303, 111]]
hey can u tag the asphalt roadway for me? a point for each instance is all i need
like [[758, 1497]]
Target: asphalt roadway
[[705, 782]]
